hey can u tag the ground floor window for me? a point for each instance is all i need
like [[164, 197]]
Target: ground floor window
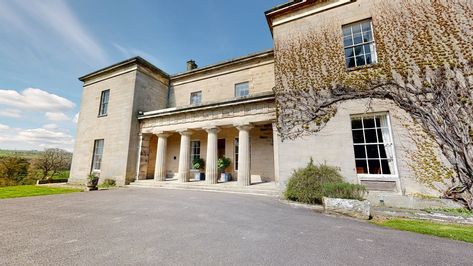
[[97, 155], [195, 150], [236, 154], [373, 146]]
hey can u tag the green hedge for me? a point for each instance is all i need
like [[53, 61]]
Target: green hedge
[[312, 183]]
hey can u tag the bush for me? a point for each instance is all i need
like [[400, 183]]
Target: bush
[[344, 191], [312, 183], [108, 183]]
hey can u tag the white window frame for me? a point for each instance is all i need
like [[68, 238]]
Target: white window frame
[[104, 102], [236, 146], [384, 177], [196, 93], [241, 83], [96, 157], [372, 43], [192, 154]]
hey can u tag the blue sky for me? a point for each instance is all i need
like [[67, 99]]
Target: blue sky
[[45, 45]]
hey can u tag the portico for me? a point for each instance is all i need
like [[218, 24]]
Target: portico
[[239, 130]]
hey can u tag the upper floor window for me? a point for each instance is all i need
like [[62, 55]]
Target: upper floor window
[[104, 102], [359, 44], [196, 97], [242, 89], [97, 156], [373, 145]]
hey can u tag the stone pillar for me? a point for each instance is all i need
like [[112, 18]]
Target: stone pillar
[[211, 170], [244, 175], [160, 168], [138, 160], [184, 156]]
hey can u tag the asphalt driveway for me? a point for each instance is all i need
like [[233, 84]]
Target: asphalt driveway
[[173, 227]]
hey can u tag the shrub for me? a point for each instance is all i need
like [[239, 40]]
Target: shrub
[[344, 191], [312, 183], [109, 183], [198, 163], [223, 163]]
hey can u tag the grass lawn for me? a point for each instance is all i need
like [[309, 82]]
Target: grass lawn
[[28, 191], [452, 231]]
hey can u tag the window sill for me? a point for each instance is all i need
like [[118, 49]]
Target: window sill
[[391, 178], [102, 115]]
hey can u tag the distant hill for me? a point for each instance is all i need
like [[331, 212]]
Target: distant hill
[[20, 153]]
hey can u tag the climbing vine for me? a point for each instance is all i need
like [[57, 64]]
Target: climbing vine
[[425, 67]]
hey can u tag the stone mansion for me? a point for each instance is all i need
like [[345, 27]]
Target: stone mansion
[[138, 122]]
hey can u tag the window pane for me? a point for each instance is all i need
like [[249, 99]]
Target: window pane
[[372, 151], [356, 123], [370, 135], [358, 136], [366, 26], [367, 36], [380, 135], [382, 151], [347, 41], [360, 151], [374, 167], [356, 28], [242, 89], [349, 52], [360, 61], [357, 38], [385, 167], [346, 31], [361, 167], [368, 59], [358, 50], [369, 122]]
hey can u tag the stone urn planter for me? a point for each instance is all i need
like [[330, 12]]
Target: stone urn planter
[[92, 182], [199, 164], [222, 164], [354, 208]]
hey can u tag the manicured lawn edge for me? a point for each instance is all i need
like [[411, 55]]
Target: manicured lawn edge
[[31, 190], [451, 231]]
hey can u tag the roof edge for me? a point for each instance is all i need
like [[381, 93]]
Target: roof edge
[[134, 60], [264, 53]]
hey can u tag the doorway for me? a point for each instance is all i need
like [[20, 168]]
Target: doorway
[[221, 148]]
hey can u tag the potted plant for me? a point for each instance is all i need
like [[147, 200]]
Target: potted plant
[[222, 164], [92, 181], [199, 164]]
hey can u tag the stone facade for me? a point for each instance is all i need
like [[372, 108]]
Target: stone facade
[[151, 123]]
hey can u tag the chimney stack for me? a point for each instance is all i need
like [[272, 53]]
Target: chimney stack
[[191, 65]]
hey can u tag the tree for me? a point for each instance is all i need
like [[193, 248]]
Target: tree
[[13, 168], [51, 161], [425, 68]]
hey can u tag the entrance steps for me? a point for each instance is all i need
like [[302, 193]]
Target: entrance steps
[[263, 189]]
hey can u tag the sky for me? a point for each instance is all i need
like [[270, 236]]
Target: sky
[[45, 45]]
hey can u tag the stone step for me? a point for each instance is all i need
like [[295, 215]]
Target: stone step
[[253, 190]]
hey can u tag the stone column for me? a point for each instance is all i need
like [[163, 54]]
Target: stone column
[[160, 168], [138, 160], [184, 156], [211, 170], [244, 175]]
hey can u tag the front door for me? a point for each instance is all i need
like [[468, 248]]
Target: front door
[[221, 148]]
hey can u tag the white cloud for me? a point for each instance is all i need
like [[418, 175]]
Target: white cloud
[[56, 116], [35, 100], [56, 17], [4, 127], [14, 113], [75, 119], [50, 126], [35, 139]]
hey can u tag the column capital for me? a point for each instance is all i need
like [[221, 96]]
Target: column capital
[[161, 134], [245, 127], [185, 132], [212, 129]]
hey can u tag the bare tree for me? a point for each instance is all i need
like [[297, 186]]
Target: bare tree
[[51, 161], [425, 67]]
